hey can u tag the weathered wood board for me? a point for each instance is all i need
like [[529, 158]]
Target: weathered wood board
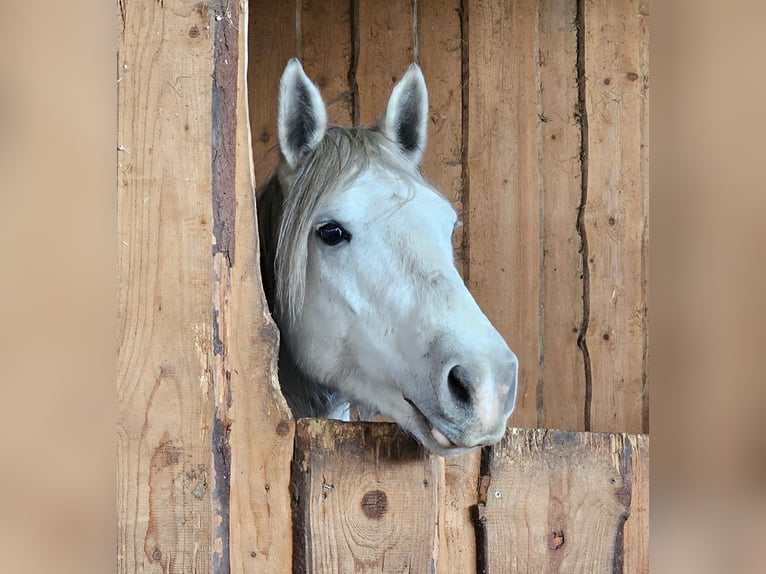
[[556, 501], [164, 384], [260, 426], [365, 499], [562, 379], [615, 215], [197, 378], [503, 199]]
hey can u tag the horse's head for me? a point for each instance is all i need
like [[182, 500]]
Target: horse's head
[[368, 298]]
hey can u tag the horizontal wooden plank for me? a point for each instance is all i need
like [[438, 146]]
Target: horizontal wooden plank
[[365, 499]]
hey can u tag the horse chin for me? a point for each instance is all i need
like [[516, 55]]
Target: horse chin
[[430, 436]]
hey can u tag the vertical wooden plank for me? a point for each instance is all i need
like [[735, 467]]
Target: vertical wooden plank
[[503, 203], [457, 539], [636, 534], [272, 42], [555, 502], [439, 41], [386, 48], [643, 11], [562, 383], [260, 429], [615, 213], [164, 299], [364, 499], [327, 37]]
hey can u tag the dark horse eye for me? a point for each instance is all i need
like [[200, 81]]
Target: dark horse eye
[[331, 233]]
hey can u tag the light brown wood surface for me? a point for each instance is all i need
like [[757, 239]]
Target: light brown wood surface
[[261, 426], [562, 377], [164, 381], [366, 499], [615, 216], [636, 532], [439, 52], [386, 48], [327, 52], [272, 39], [196, 379], [556, 502], [503, 223]]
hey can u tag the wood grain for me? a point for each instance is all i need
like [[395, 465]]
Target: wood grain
[[562, 382], [556, 502], [164, 298], [272, 42], [503, 223], [457, 539], [365, 499], [327, 33], [636, 534], [260, 424], [615, 216], [439, 47], [386, 48]]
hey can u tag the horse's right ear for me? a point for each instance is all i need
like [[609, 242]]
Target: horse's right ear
[[302, 114]]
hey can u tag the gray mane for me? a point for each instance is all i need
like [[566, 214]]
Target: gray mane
[[288, 205]]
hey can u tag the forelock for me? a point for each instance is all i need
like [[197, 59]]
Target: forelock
[[341, 156]]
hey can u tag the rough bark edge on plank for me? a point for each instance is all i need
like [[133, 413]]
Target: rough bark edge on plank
[[223, 183], [300, 482]]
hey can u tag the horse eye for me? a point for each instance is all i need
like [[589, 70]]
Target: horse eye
[[332, 233]]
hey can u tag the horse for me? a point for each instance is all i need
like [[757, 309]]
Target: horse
[[359, 275]]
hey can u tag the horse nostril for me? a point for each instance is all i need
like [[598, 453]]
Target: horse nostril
[[459, 384]]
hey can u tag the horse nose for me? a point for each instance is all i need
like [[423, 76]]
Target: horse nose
[[459, 383], [489, 394]]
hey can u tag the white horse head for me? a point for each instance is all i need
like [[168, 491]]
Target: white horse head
[[359, 271]]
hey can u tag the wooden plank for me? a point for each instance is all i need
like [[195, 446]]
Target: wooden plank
[[636, 534], [439, 52], [555, 502], [272, 42], [562, 383], [643, 11], [615, 215], [503, 197], [457, 539], [164, 297], [386, 48], [260, 469], [327, 38], [365, 499]]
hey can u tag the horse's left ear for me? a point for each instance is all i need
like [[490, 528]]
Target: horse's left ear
[[405, 120]]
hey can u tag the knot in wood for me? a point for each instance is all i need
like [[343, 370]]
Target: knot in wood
[[556, 539], [374, 504]]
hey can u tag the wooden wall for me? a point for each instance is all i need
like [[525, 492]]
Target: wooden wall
[[538, 136]]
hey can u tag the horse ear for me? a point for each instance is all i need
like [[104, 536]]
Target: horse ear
[[302, 114], [406, 117]]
